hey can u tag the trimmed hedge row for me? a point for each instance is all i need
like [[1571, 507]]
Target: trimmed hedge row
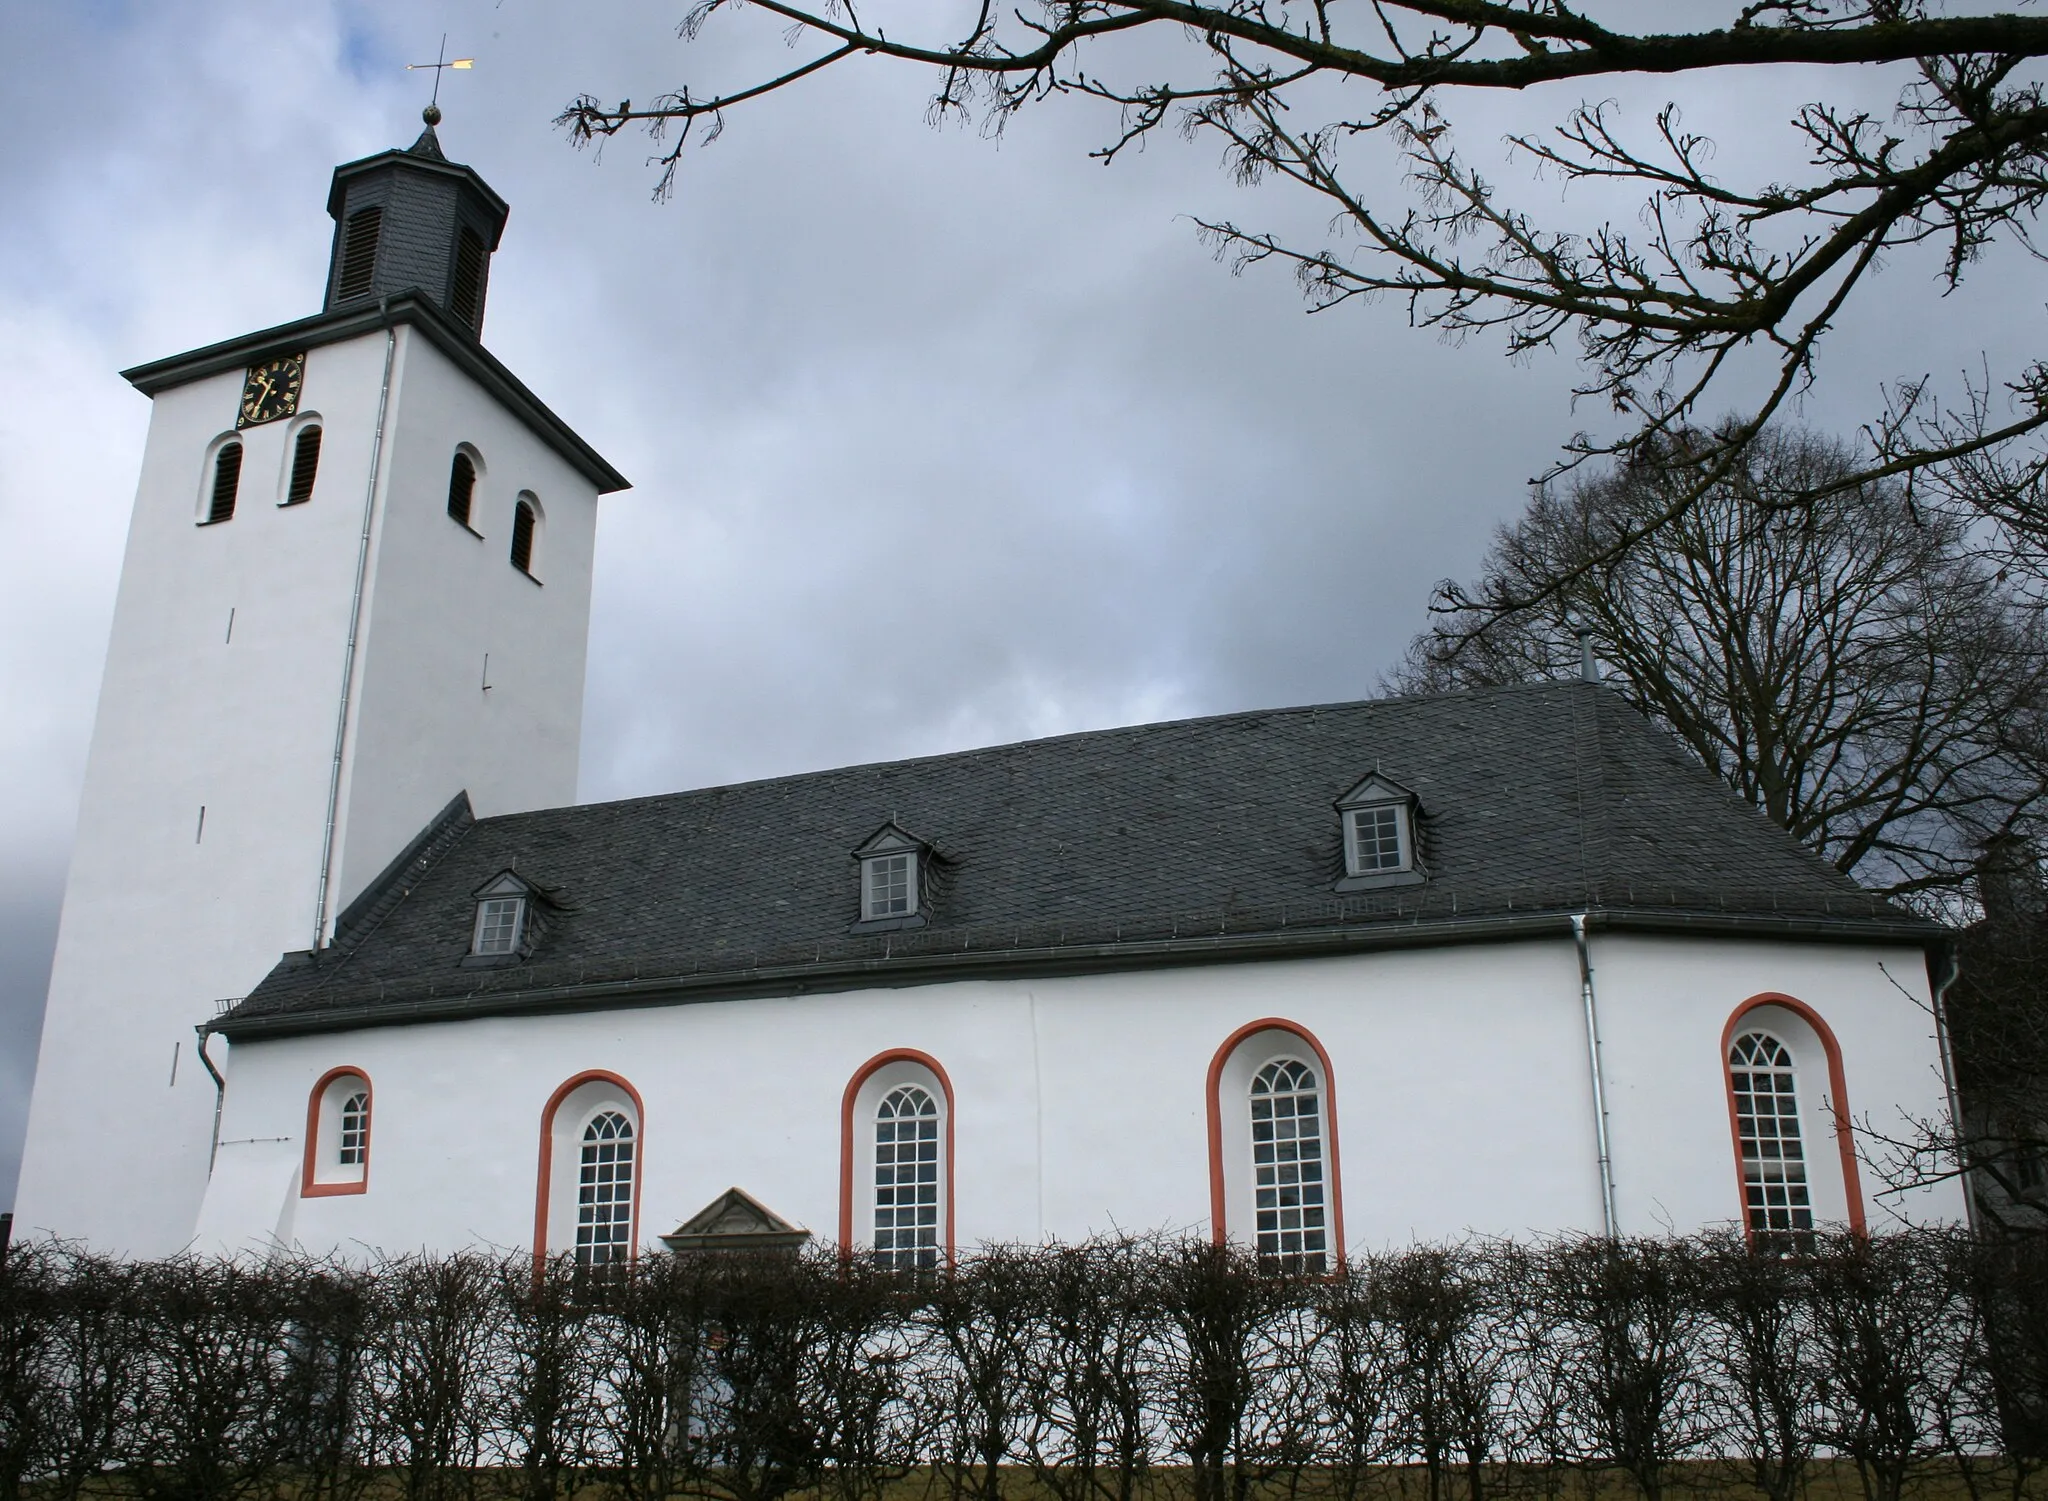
[[1091, 1372]]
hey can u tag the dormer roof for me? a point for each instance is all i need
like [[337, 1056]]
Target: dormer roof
[[1376, 787]]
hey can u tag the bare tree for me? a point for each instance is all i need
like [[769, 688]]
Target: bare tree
[[1854, 669], [1663, 316]]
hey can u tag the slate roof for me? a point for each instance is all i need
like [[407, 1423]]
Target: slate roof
[[1199, 840]]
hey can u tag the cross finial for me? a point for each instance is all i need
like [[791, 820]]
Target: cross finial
[[441, 63]]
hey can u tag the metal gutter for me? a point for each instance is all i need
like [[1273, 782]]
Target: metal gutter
[[1604, 1153], [896, 970], [1948, 1080], [458, 344]]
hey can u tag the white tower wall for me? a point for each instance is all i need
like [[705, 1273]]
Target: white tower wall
[[163, 917]]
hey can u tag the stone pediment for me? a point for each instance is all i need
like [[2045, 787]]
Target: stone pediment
[[735, 1221]]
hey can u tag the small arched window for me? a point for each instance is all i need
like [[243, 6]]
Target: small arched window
[[1776, 1200], [523, 521], [461, 487], [604, 1191], [305, 466], [337, 1157], [907, 1179], [1289, 1187], [227, 480]]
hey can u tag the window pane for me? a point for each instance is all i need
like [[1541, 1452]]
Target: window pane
[[497, 928], [1774, 1187], [355, 1129], [1287, 1165], [1375, 839], [907, 1179], [604, 1191]]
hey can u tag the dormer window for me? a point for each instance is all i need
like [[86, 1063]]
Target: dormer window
[[504, 919], [893, 872], [1379, 835]]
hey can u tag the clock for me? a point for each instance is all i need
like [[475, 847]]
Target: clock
[[271, 389]]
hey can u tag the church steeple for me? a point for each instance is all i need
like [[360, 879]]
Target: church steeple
[[409, 221]]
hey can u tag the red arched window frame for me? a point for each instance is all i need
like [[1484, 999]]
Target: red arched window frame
[[1218, 1216], [847, 1102], [308, 1189], [1838, 1101], [543, 1185]]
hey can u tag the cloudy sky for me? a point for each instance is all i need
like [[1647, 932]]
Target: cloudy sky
[[937, 441]]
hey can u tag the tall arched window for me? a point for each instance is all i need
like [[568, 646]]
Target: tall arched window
[[523, 520], [1288, 1182], [305, 466], [907, 1178], [604, 1191], [227, 479], [461, 487], [1276, 1178], [593, 1135], [1766, 1094]]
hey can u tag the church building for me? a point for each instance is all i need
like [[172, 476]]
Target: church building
[[342, 966]]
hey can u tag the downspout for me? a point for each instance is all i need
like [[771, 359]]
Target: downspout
[[1948, 1082], [220, 1094], [1606, 1158], [348, 660]]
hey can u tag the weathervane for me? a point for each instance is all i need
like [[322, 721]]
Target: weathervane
[[441, 63]]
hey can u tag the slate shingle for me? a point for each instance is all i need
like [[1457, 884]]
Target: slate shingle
[[1151, 844]]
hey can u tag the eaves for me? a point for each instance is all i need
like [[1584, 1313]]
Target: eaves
[[900, 971]]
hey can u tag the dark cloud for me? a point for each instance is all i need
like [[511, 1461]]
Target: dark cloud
[[937, 440]]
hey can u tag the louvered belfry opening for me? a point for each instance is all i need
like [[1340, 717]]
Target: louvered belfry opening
[[465, 297], [461, 487], [227, 479], [359, 253], [522, 537], [305, 465]]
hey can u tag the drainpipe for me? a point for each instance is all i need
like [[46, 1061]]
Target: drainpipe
[[1606, 1158], [220, 1094], [1948, 1083], [348, 660]]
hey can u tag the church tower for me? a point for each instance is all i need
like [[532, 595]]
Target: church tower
[[356, 587]]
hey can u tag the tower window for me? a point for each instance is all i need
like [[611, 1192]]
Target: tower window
[[359, 253], [461, 487], [305, 464], [1776, 1200], [522, 537], [227, 479], [466, 296]]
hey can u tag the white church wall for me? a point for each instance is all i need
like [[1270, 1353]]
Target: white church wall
[[442, 598], [1663, 1007], [162, 916], [1080, 1104]]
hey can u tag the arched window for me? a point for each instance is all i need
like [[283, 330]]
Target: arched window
[[604, 1191], [907, 1179], [305, 466], [587, 1202], [1766, 1095], [1276, 1178], [1288, 1182], [227, 479], [524, 518], [337, 1156], [461, 487], [896, 1161]]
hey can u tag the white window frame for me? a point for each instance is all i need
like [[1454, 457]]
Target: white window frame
[[1404, 839], [1313, 1253], [1777, 1177], [919, 1243], [484, 909], [871, 885]]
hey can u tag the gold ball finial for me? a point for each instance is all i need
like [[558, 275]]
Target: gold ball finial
[[431, 114]]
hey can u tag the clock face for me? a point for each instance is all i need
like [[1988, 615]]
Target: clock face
[[271, 390]]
